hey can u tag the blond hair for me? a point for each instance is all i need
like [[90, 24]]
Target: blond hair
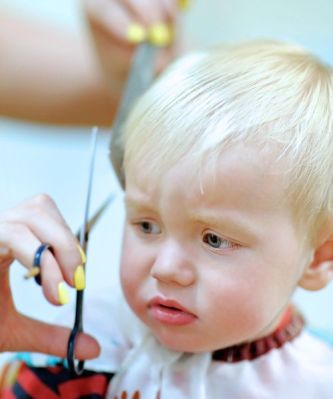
[[264, 92]]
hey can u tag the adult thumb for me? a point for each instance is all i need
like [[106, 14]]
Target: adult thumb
[[37, 336]]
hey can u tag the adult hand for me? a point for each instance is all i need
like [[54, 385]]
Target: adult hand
[[117, 26], [22, 230]]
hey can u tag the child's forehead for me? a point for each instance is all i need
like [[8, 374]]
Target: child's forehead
[[246, 169], [242, 169], [264, 156]]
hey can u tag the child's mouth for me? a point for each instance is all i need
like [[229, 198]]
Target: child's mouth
[[170, 312]]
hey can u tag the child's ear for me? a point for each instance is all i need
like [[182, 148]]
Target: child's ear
[[320, 271]]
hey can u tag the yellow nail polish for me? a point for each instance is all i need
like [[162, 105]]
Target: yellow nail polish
[[35, 271], [184, 4], [136, 33], [160, 35], [79, 278], [83, 255], [63, 295]]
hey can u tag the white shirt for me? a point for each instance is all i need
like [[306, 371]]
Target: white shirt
[[301, 368]]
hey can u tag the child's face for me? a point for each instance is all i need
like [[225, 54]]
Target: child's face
[[206, 269]]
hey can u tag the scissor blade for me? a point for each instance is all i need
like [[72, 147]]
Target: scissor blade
[[140, 77], [84, 228], [96, 216]]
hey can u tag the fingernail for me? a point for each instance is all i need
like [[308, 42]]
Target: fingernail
[[33, 272], [136, 33], [79, 278], [160, 35], [63, 295], [184, 4], [83, 255]]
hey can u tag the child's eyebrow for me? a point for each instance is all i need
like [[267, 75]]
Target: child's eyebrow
[[234, 224], [137, 202]]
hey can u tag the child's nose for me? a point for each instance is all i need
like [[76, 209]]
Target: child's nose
[[173, 266]]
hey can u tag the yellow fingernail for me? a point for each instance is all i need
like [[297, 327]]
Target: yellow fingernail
[[184, 4], [136, 33], [63, 295], [83, 255], [79, 278], [160, 35], [35, 271]]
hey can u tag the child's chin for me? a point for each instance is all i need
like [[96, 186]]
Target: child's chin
[[173, 343]]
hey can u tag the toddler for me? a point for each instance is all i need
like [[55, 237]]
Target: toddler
[[228, 167]]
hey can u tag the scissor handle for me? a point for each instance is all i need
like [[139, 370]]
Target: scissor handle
[[74, 365]]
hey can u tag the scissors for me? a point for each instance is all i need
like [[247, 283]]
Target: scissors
[[140, 77]]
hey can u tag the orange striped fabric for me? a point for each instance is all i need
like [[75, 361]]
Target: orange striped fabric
[[18, 381]]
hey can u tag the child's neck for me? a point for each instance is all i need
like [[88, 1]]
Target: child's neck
[[289, 327]]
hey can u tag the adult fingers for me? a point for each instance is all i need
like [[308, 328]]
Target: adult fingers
[[110, 16], [23, 229], [23, 244], [150, 12], [41, 215], [35, 336], [6, 257], [124, 19]]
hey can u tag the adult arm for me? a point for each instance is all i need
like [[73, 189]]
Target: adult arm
[[53, 76], [49, 75]]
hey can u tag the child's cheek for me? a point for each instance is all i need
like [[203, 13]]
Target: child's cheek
[[129, 283], [243, 308], [130, 270]]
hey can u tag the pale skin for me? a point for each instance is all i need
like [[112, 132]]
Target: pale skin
[[230, 257], [230, 253], [49, 75]]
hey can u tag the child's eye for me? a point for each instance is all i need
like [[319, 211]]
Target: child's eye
[[215, 241], [149, 227]]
